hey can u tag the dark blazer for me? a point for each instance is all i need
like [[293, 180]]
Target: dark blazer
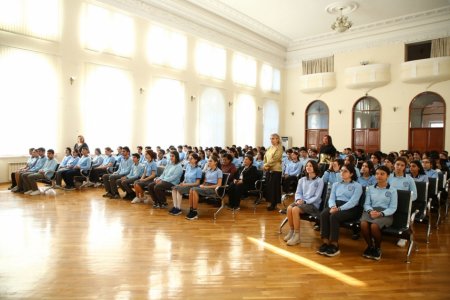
[[249, 176]]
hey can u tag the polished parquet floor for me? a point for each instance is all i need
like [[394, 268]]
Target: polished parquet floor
[[78, 245]]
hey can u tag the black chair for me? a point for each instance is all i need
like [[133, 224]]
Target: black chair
[[259, 189], [355, 224], [403, 224], [422, 205], [447, 184], [308, 217], [49, 181], [84, 178], [433, 198]]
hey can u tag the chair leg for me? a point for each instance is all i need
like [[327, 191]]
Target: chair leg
[[282, 224], [408, 253], [428, 229], [220, 208]]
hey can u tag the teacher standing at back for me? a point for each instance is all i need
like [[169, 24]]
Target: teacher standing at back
[[272, 169]]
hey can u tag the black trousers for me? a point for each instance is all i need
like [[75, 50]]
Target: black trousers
[[272, 191], [329, 223], [158, 191], [235, 193], [290, 184], [13, 179], [96, 174]]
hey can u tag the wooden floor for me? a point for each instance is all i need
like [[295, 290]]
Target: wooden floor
[[78, 245]]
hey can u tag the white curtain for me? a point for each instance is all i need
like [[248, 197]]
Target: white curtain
[[40, 19], [440, 47], [270, 79], [165, 113], [245, 119], [29, 93], [167, 48], [211, 60], [107, 107], [244, 70], [319, 65], [271, 119], [212, 118]]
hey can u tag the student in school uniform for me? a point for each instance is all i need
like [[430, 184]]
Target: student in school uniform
[[213, 179], [71, 163], [379, 208], [147, 177], [107, 165], [291, 172], [367, 174], [97, 159], [40, 162], [161, 161], [192, 176], [307, 200], [333, 174], [110, 180], [47, 171], [84, 164], [30, 163], [417, 172], [342, 206], [429, 166], [137, 169]]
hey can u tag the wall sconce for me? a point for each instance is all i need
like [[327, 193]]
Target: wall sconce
[[72, 79], [292, 113], [230, 104], [193, 98], [141, 91], [364, 62], [340, 111], [259, 108], [395, 108]]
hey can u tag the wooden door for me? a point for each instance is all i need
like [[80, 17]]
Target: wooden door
[[426, 139], [314, 137], [366, 139]]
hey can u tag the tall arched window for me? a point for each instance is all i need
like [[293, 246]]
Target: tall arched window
[[427, 122], [212, 118], [317, 116], [270, 120], [245, 117], [366, 124], [165, 116]]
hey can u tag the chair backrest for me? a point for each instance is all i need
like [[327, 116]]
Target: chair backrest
[[225, 178], [403, 212], [422, 196], [432, 187], [159, 171], [325, 195], [362, 199], [441, 181]]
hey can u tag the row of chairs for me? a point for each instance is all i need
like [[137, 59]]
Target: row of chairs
[[404, 219]]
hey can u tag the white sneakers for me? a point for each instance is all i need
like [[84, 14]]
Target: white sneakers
[[289, 235], [28, 192], [97, 184], [401, 243], [136, 200], [295, 240], [35, 193]]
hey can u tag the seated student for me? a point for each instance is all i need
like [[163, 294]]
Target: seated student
[[147, 177], [71, 163], [245, 181], [342, 206], [202, 159], [110, 180], [136, 172], [417, 172], [34, 169], [429, 166], [307, 200], [192, 176], [170, 177], [259, 160], [227, 166], [84, 164], [379, 208], [30, 163], [213, 179], [347, 151], [181, 154], [389, 162], [161, 161], [236, 158], [402, 181], [375, 158], [367, 174], [97, 159], [98, 171], [350, 160], [333, 174], [142, 159], [29, 182], [313, 154], [291, 172], [119, 154]]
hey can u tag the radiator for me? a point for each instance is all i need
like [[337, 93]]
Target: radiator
[[15, 166]]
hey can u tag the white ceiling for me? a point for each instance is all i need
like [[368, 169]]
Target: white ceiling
[[301, 19]]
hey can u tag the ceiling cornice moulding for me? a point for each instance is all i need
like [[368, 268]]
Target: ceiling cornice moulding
[[187, 17]]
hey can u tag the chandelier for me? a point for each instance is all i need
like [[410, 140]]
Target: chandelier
[[340, 8], [342, 23]]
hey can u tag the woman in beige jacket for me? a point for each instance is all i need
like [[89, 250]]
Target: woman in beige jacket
[[272, 169]]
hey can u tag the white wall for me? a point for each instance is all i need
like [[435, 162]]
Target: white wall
[[394, 125]]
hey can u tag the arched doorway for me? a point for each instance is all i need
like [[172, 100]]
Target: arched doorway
[[366, 124], [317, 116], [427, 122]]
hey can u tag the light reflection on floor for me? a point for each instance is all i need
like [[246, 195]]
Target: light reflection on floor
[[310, 264]]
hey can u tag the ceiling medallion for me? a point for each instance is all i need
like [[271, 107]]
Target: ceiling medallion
[[342, 22]]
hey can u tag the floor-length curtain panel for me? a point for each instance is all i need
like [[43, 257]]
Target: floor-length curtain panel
[[245, 119], [212, 121], [440, 47]]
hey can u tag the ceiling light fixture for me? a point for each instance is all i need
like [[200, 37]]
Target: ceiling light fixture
[[342, 22]]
